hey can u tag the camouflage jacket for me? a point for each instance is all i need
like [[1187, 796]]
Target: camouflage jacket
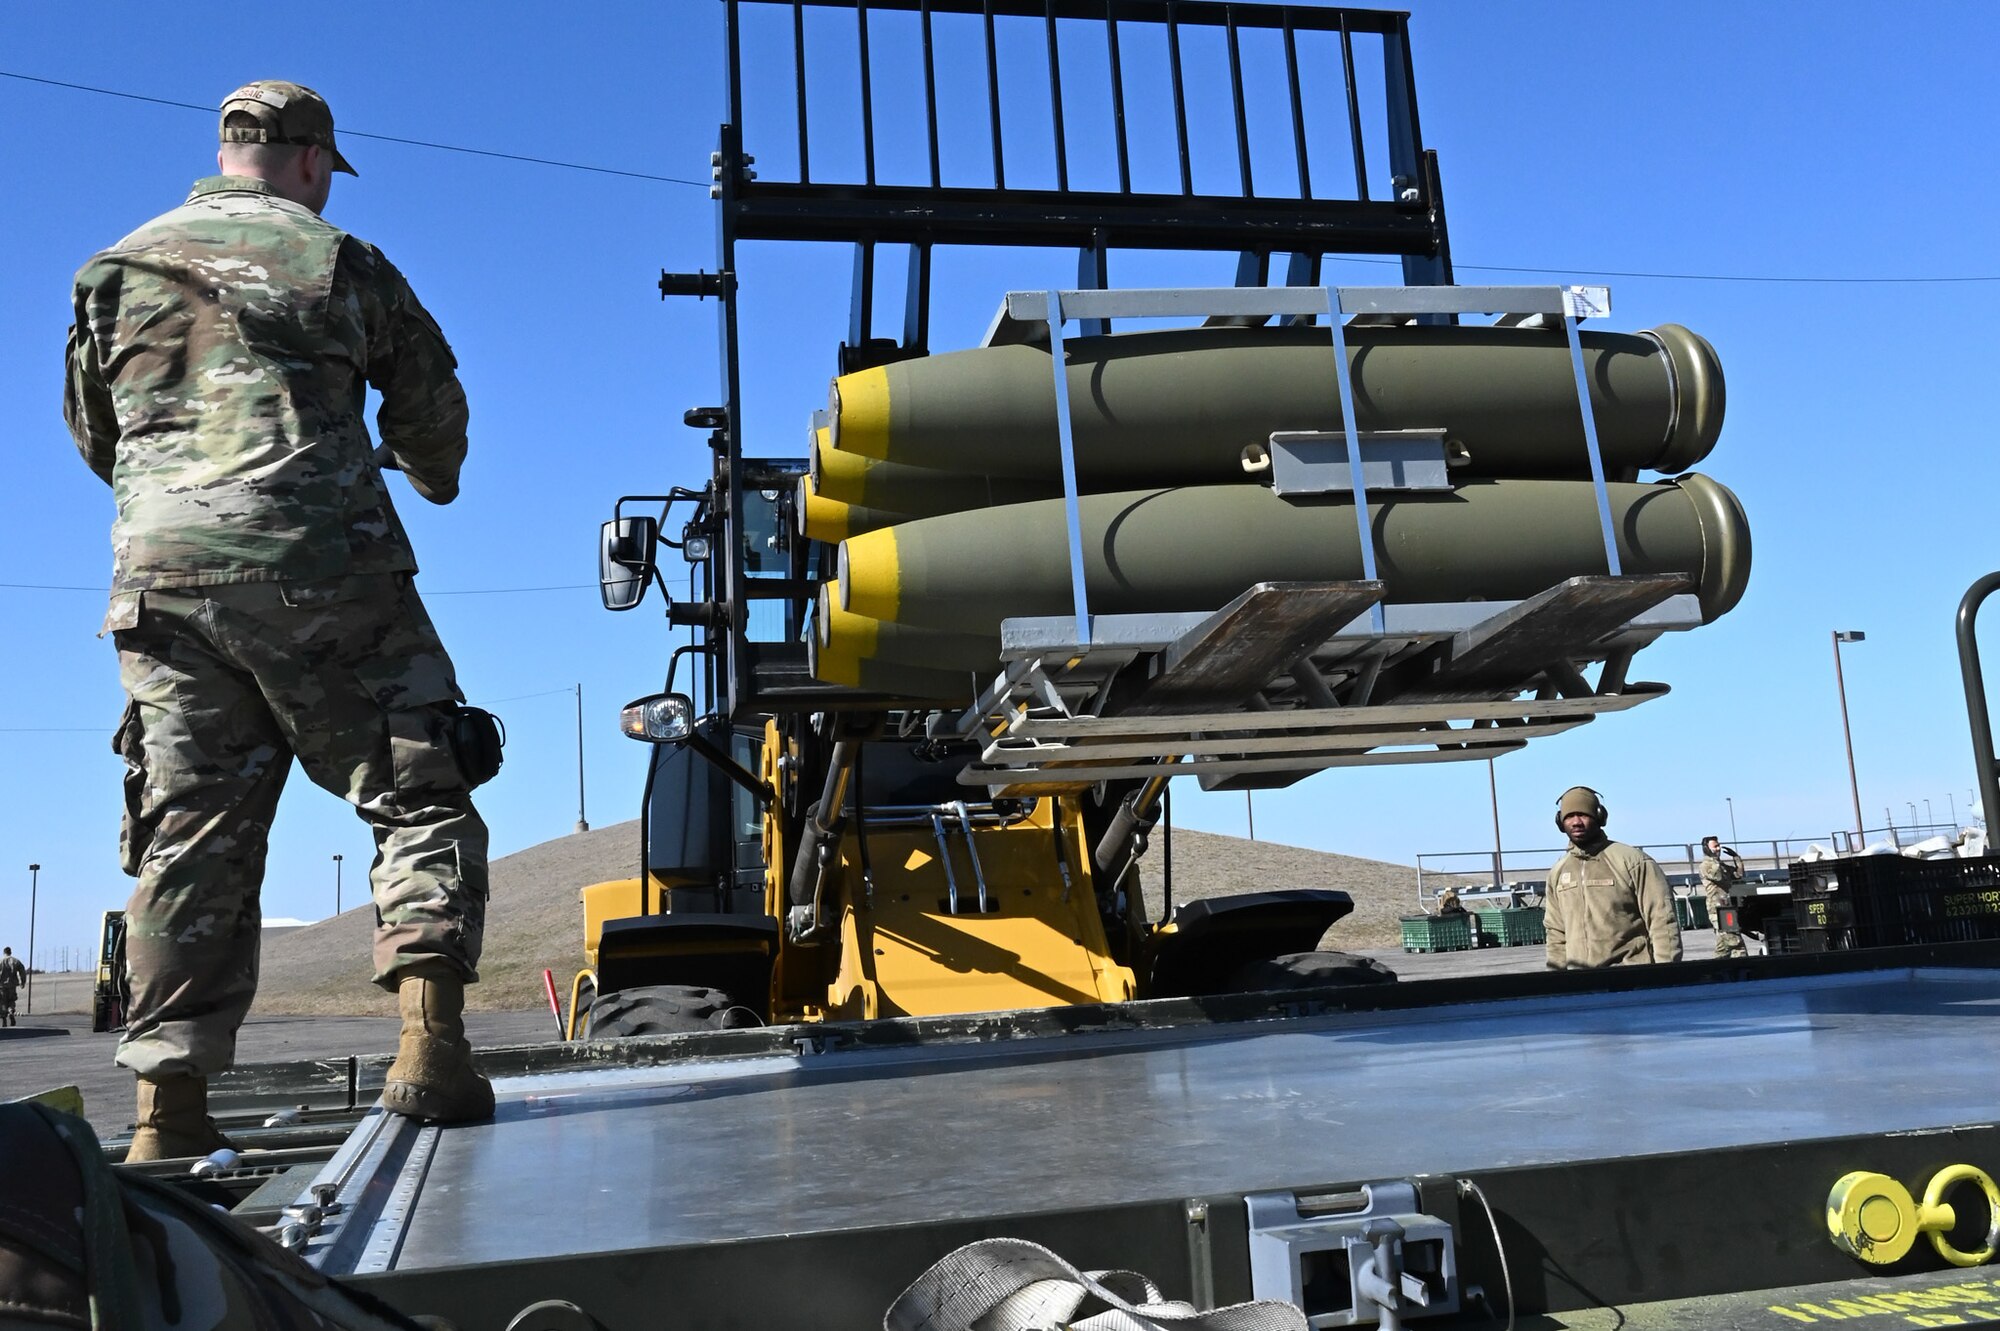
[[217, 372], [1719, 874], [1609, 905]]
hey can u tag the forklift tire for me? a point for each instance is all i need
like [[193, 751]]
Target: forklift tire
[[1308, 970], [664, 1009]]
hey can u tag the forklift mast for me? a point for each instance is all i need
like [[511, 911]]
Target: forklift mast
[[1129, 58]]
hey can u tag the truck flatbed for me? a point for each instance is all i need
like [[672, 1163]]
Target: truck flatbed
[[852, 1159]]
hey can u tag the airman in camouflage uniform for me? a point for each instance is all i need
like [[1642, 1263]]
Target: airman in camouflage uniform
[[12, 976], [1607, 904], [262, 602], [1716, 876]]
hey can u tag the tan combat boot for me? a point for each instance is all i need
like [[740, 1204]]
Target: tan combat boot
[[173, 1121], [433, 1077]]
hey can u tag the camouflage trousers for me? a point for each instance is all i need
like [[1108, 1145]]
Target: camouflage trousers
[[1728, 942], [226, 684]]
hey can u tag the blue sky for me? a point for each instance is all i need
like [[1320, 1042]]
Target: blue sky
[[1705, 141]]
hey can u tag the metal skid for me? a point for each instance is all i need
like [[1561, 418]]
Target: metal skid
[[1040, 735]]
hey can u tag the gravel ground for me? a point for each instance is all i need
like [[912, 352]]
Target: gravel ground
[[534, 919]]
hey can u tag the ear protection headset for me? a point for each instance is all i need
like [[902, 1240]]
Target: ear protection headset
[[1595, 809]]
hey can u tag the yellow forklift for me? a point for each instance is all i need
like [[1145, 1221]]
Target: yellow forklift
[[950, 659], [111, 995]]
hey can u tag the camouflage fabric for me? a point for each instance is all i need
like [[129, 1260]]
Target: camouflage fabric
[[1608, 904], [1716, 876], [217, 373], [281, 112], [226, 684], [12, 974], [89, 1248]]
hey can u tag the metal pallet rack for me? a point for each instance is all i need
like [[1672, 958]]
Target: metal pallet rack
[[1211, 700]]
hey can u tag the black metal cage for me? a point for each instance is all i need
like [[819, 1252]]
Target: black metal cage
[[1079, 127]]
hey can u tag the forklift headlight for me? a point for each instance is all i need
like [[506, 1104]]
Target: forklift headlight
[[663, 718]]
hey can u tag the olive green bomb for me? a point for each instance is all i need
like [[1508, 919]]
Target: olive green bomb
[[900, 659], [921, 492], [1194, 548], [1177, 407]]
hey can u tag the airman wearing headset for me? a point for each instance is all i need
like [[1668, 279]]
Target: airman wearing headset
[[1608, 904]]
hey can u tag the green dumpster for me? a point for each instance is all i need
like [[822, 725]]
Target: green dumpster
[[1437, 933], [1512, 926]]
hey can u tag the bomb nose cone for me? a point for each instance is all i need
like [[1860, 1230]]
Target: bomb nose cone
[[900, 659], [858, 413], [870, 572], [1194, 548], [830, 520]]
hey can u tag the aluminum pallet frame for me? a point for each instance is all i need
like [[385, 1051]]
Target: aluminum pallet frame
[[1043, 716]]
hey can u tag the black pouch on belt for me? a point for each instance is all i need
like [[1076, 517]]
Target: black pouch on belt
[[477, 738]]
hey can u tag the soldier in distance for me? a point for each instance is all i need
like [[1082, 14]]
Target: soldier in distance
[[1608, 904], [263, 607], [12, 976], [1718, 874]]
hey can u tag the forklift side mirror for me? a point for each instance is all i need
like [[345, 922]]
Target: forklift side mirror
[[663, 718], [625, 560]]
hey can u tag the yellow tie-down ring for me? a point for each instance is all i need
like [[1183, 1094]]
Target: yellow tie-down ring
[[1873, 1217]]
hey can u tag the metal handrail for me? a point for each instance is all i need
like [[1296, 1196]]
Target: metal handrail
[[1975, 690], [1760, 855]]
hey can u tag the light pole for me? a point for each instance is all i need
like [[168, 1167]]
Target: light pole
[[1847, 731], [336, 885], [34, 891], [1930, 819], [1731, 802], [1953, 799], [1493, 792], [581, 824]]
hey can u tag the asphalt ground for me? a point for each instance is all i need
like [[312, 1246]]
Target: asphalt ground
[[54, 1045], [47, 1051]]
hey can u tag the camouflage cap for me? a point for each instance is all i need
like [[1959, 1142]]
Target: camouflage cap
[[285, 113]]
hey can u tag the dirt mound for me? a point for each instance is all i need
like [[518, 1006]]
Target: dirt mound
[[534, 919], [1208, 865]]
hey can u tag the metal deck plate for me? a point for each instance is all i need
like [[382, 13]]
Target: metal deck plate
[[597, 1161]]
